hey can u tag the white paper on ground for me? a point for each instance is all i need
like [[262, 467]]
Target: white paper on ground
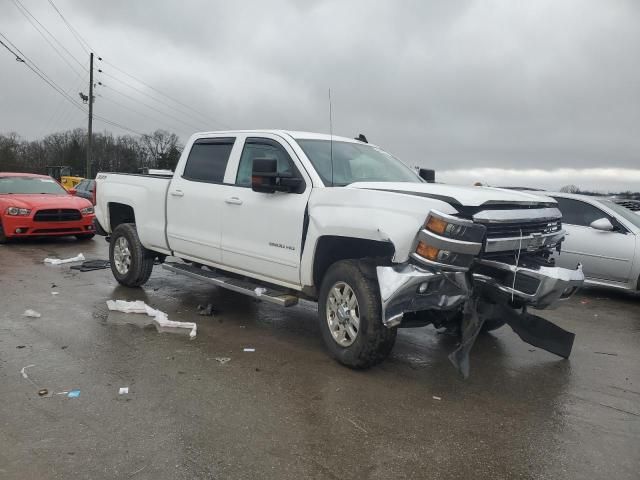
[[31, 313], [57, 261], [123, 390], [160, 319], [260, 291], [249, 349]]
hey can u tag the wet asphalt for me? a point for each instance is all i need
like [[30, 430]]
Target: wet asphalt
[[287, 411]]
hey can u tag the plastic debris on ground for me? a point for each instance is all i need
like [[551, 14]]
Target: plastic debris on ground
[[91, 265], [73, 394], [436, 398], [123, 390], [160, 319], [260, 291], [55, 293], [43, 391], [57, 261], [249, 349], [223, 360], [31, 314]]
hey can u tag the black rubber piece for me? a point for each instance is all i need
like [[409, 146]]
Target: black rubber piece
[[141, 258], [374, 341], [91, 265], [492, 324], [542, 333], [85, 236]]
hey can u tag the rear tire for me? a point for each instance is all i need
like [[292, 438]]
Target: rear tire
[[131, 263], [367, 341], [85, 236]]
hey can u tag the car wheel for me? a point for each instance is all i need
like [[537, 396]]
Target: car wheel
[[131, 263], [85, 236], [350, 317], [3, 237]]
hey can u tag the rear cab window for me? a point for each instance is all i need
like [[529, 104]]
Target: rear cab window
[[207, 160]]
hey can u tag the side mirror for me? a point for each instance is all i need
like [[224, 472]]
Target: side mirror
[[603, 224], [265, 178], [72, 191], [428, 175]]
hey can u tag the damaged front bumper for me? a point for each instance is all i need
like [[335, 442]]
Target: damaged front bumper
[[411, 288]]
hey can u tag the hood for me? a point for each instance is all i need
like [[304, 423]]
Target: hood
[[38, 202], [458, 195]]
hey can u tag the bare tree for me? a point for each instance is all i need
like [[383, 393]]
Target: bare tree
[[570, 189]]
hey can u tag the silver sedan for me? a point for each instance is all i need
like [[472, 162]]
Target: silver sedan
[[604, 237]]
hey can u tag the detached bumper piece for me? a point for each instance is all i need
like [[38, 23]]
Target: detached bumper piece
[[538, 286], [532, 329], [409, 288]]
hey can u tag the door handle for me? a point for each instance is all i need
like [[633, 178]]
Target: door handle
[[233, 201], [177, 193]]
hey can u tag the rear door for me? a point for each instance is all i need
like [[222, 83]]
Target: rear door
[[604, 255], [195, 199], [262, 232]]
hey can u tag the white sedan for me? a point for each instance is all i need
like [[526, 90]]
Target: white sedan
[[604, 237]]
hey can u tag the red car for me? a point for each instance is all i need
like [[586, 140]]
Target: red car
[[36, 205]]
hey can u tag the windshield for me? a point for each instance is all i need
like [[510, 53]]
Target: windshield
[[355, 162], [624, 212], [30, 185]]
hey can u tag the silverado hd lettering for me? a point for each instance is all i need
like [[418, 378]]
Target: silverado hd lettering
[[374, 244]]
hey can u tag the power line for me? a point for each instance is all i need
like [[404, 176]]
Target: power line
[[150, 106], [126, 107], [35, 69], [150, 96], [26, 14], [83, 43], [204, 116]]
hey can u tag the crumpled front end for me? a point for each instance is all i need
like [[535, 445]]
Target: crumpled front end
[[493, 265]]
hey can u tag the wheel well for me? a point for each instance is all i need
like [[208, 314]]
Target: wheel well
[[331, 249], [120, 213]]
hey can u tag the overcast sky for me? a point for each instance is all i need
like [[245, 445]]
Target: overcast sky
[[503, 92]]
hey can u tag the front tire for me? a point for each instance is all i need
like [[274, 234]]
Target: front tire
[[3, 237], [131, 263], [85, 236], [350, 316]]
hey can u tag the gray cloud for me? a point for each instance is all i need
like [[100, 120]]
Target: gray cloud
[[452, 85]]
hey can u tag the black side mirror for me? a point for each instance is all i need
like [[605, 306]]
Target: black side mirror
[[265, 178], [428, 175]]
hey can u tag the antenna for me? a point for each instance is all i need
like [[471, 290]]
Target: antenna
[[331, 136]]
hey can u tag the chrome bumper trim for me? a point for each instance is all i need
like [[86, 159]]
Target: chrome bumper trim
[[399, 291], [555, 283]]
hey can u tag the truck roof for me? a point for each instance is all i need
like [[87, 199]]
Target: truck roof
[[292, 133]]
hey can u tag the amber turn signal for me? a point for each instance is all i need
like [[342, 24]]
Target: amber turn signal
[[427, 251], [436, 225]]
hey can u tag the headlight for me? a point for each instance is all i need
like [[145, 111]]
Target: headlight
[[18, 212], [449, 241], [87, 211]]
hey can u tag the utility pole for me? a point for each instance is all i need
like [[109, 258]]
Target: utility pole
[[90, 128]]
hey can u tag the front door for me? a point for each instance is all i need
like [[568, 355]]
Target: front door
[[604, 255], [262, 232], [195, 201]]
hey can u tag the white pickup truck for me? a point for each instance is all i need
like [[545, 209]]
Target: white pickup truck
[[288, 215]]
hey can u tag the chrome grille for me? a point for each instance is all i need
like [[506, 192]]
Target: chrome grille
[[517, 229]]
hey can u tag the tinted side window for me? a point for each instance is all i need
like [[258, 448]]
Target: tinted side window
[[208, 159], [575, 212], [263, 148], [82, 186]]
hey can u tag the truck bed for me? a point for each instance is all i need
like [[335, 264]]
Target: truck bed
[[146, 194]]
